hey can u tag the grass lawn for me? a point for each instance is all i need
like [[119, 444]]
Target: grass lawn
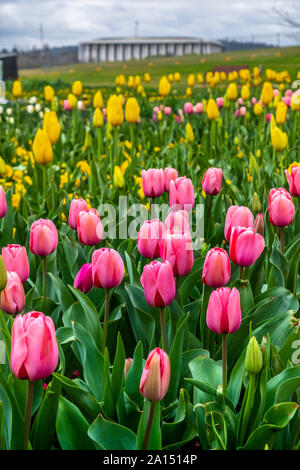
[[104, 73]]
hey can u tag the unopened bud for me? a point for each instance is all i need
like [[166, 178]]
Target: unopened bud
[[256, 205], [259, 224], [128, 363], [3, 274], [156, 376], [253, 360]]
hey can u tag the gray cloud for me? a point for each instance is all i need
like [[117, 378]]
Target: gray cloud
[[71, 21]]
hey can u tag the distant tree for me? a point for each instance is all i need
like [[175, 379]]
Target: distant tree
[[287, 11]]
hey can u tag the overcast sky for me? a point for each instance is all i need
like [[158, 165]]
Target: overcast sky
[[67, 22]]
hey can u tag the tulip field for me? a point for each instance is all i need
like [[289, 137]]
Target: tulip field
[[149, 268]]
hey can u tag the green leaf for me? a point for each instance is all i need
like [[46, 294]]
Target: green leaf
[[72, 427], [111, 436], [207, 371], [117, 376]]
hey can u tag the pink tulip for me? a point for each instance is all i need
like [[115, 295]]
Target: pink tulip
[[167, 111], [104, 112], [188, 108], [268, 117], [198, 108], [155, 379], [220, 102], [176, 247], [107, 268], [84, 279], [216, 268], [224, 311], [294, 180], [254, 100], [181, 194], [237, 113], [154, 118], [149, 237], [212, 181], [158, 282], [89, 233], [15, 259], [178, 220], [3, 206], [288, 92], [259, 224], [237, 215], [153, 181], [281, 207], [156, 109], [286, 100], [34, 351], [170, 174], [275, 92], [178, 119], [76, 206], [13, 296], [245, 246], [66, 105], [43, 237], [243, 111], [240, 101]]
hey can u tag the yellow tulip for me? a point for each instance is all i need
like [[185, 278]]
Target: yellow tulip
[[245, 93], [177, 77], [98, 100], [281, 111], [77, 88], [132, 110], [17, 88], [232, 91], [266, 93], [115, 110], [131, 81], [72, 100], [223, 76], [189, 91], [147, 77], [51, 126], [171, 77], [279, 139], [49, 93], [258, 109], [191, 80], [98, 118], [200, 78], [42, 148], [212, 109], [164, 86], [189, 134], [119, 181]]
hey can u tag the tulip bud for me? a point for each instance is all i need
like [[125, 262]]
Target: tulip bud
[[51, 126], [212, 109], [42, 147], [3, 274], [128, 364], [159, 283], [77, 205], [34, 351], [114, 110], [155, 379], [107, 268], [98, 118], [212, 181], [164, 86], [77, 88], [119, 181], [216, 268], [3, 205], [259, 224], [256, 205], [89, 227], [176, 247], [49, 93], [293, 177], [98, 100], [72, 101], [149, 238], [153, 181], [281, 207], [253, 359], [170, 174], [13, 296], [17, 88], [84, 280], [132, 110], [181, 194]]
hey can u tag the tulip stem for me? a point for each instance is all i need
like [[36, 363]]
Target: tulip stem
[[27, 419], [163, 329], [44, 182], [44, 276], [116, 162], [241, 272], [282, 239], [149, 424], [209, 215], [105, 324], [224, 363]]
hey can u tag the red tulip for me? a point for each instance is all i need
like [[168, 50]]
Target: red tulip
[[245, 246], [224, 311], [155, 379], [43, 237], [237, 215], [281, 207], [77, 205], [159, 283], [216, 269], [15, 259], [176, 247], [149, 237], [34, 351], [181, 194], [107, 268], [89, 227], [212, 181], [153, 181]]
